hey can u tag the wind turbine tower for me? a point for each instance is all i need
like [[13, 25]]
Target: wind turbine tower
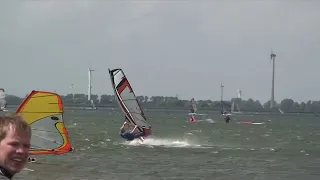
[[272, 58], [89, 86], [221, 86], [71, 86]]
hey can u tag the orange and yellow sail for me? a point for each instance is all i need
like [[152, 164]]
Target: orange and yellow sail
[[44, 113]]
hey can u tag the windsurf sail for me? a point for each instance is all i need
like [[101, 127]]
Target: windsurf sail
[[280, 110], [92, 104], [127, 99], [193, 106], [3, 102], [44, 113], [193, 115], [233, 108], [225, 107]]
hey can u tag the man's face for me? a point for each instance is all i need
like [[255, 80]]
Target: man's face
[[14, 150], [126, 126]]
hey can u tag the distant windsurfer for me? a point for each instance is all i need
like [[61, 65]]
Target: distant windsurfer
[[3, 102], [131, 135], [31, 160], [227, 117]]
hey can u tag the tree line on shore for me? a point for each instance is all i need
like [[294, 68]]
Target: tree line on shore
[[164, 102]]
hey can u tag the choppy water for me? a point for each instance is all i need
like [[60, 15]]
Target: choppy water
[[285, 147]]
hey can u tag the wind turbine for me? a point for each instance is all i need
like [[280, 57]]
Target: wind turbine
[[89, 85], [272, 58], [221, 86], [71, 86]]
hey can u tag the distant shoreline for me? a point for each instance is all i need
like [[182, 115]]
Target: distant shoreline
[[172, 110]]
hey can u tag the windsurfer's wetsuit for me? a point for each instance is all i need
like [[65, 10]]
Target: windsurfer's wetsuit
[[4, 174], [227, 118], [129, 136]]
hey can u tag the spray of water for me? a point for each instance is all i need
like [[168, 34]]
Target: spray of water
[[164, 143]]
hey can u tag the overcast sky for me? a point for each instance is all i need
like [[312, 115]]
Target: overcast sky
[[164, 47]]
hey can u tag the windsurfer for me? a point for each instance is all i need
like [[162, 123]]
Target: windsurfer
[[31, 160], [131, 135], [227, 118]]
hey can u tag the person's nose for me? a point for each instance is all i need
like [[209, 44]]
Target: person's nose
[[22, 150]]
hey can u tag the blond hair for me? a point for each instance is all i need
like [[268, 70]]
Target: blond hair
[[15, 121]]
